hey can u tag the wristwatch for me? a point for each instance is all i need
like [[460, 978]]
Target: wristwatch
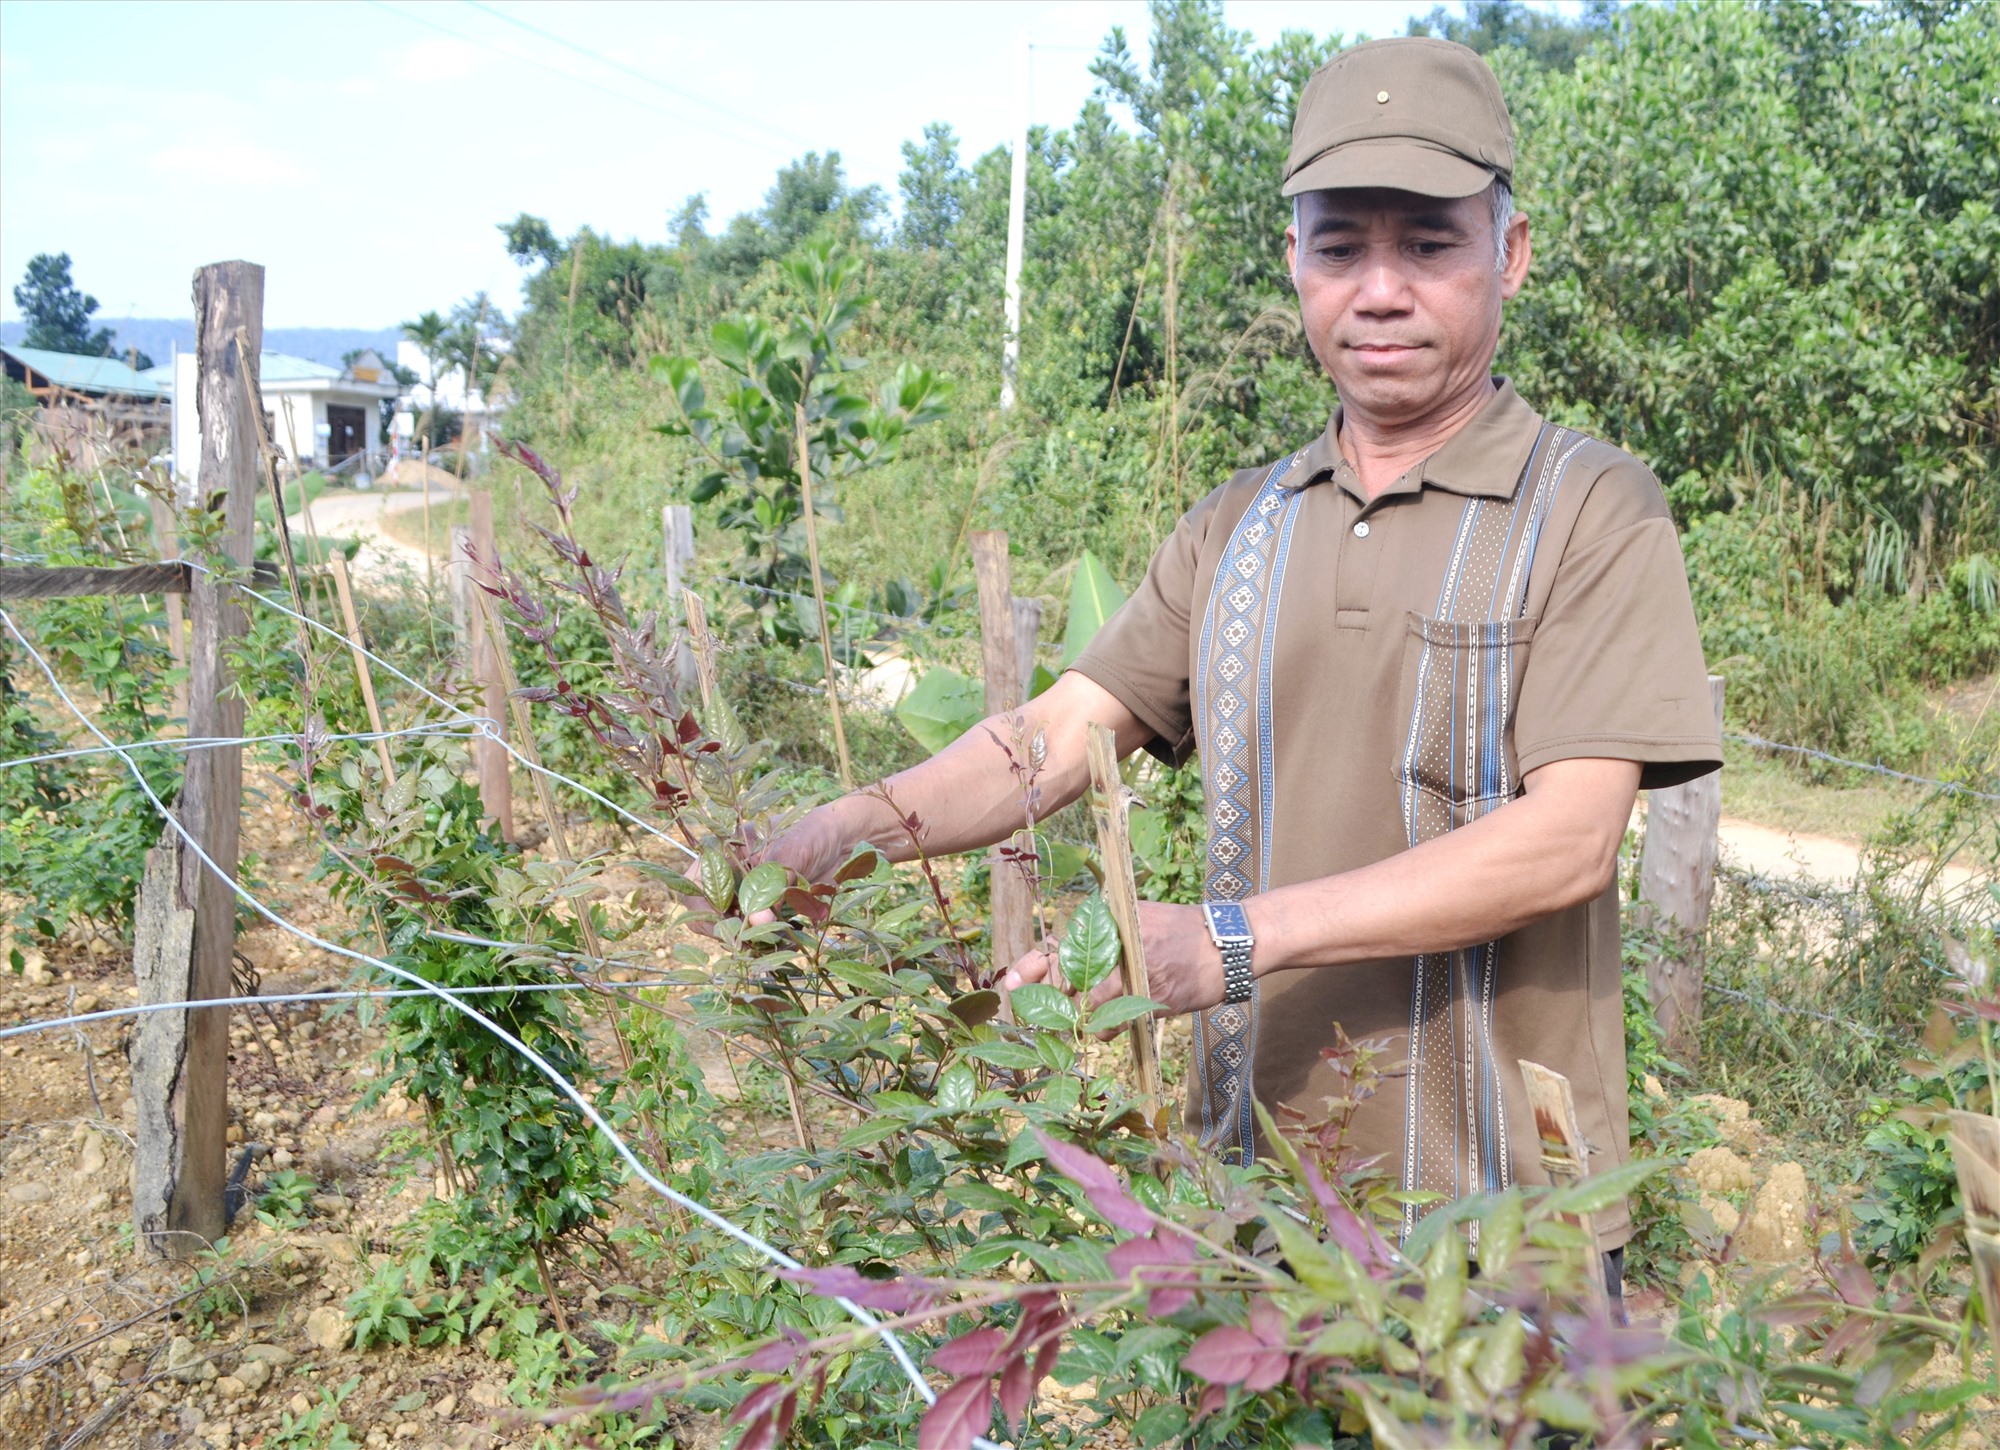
[[1229, 929]]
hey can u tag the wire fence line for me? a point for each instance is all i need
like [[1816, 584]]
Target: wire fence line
[[1949, 787], [190, 744], [453, 999]]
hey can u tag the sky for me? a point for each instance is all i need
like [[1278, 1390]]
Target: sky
[[365, 151]]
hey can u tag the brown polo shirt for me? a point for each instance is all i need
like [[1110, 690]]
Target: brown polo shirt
[[1361, 676]]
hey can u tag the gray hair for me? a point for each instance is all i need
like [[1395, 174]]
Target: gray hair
[[1499, 196]]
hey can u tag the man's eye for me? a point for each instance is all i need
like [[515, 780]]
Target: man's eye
[[1429, 249]]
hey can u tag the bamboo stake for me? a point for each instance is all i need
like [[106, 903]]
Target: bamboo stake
[[1565, 1156], [1108, 807], [819, 598], [177, 645], [340, 584]]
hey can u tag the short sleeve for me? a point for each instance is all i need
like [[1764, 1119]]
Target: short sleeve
[[1141, 654], [1615, 670]]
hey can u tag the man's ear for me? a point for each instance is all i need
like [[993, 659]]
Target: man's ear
[[1520, 252], [1292, 255]]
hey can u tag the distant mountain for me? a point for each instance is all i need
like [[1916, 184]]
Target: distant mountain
[[156, 336]]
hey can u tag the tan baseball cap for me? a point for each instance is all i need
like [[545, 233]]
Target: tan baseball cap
[[1413, 114]]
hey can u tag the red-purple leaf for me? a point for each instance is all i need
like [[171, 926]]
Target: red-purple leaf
[[1212, 1399], [1099, 1184], [1017, 1387], [1223, 1356], [1347, 1228], [1267, 1323], [1267, 1370], [777, 1355], [1162, 1302], [977, 1352], [959, 1413]]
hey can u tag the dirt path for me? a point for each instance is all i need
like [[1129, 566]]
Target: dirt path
[[361, 516]]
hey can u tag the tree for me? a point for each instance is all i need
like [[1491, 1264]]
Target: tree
[[58, 316], [934, 188], [529, 240]]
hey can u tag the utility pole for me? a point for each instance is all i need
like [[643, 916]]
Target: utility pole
[[1017, 211]]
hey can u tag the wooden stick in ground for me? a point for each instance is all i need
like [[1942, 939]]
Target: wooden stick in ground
[[229, 311], [496, 791], [716, 712], [1109, 806], [1014, 933], [348, 617], [177, 646], [1975, 1154], [819, 596], [1565, 1156]]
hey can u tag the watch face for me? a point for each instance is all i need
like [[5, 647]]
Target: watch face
[[1227, 919]]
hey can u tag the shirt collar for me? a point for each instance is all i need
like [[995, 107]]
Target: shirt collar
[[1483, 459]]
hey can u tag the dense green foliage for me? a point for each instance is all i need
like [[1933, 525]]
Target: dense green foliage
[[1765, 256]]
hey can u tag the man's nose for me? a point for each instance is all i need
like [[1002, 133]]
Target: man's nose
[[1384, 290]]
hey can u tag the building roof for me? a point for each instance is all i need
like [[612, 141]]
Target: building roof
[[284, 372], [96, 376]]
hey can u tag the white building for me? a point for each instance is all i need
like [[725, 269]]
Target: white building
[[317, 416]]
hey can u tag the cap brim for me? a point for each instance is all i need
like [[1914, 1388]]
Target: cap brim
[[1398, 165]]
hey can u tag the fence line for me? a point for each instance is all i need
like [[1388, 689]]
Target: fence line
[[1949, 787], [220, 742], [556, 1079], [487, 727]]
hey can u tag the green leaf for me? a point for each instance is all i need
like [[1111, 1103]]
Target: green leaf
[[1599, 1191], [1089, 951], [1039, 1005], [1094, 596], [1120, 1010], [957, 1087], [761, 888], [942, 707], [718, 878], [1159, 1425]]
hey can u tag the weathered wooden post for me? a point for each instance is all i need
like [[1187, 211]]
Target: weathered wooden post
[[1013, 898], [1677, 885], [495, 789], [178, 1194]]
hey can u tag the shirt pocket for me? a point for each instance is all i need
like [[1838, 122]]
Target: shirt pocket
[[1461, 682]]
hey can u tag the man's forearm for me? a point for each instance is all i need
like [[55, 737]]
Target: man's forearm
[[970, 794], [1550, 849]]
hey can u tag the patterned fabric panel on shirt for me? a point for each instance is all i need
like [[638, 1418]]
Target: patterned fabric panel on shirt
[[1233, 720], [1456, 766]]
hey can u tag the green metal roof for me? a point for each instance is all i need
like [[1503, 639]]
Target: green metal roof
[[93, 375]]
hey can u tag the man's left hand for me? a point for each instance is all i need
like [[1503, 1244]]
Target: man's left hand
[[1183, 965]]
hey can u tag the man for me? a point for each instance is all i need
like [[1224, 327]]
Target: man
[[1427, 660]]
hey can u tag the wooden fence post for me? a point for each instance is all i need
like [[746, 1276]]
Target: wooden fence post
[[1110, 808], [495, 789], [1677, 885], [1013, 900], [229, 311]]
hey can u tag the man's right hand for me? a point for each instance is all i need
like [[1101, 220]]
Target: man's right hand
[[814, 847]]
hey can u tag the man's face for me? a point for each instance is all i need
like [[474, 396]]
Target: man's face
[[1400, 297]]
